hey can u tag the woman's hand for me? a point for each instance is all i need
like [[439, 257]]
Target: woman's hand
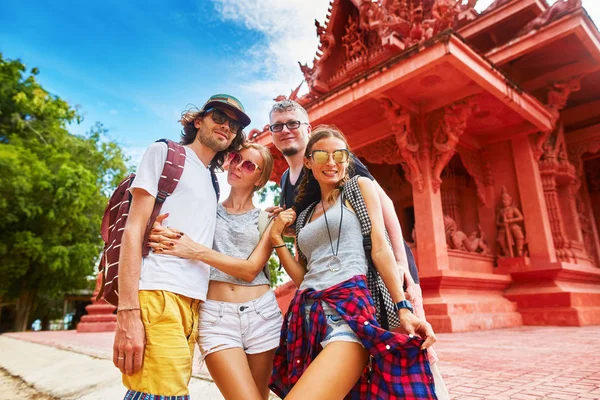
[[283, 220], [413, 324], [173, 242]]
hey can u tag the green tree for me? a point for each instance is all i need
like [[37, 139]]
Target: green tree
[[269, 194], [53, 190]]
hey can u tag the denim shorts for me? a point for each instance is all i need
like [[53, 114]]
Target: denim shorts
[[337, 329], [254, 326]]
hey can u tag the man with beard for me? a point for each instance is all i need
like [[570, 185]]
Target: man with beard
[[159, 296]]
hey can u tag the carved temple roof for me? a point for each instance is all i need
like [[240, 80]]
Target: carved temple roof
[[359, 35]]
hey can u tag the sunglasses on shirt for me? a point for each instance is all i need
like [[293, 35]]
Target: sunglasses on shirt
[[322, 156], [246, 166], [220, 118]]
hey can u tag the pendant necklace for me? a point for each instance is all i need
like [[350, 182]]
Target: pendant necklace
[[334, 264]]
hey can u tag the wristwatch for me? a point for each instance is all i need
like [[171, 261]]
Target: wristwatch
[[404, 304]]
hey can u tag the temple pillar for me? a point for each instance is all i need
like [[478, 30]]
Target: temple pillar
[[100, 315], [547, 290], [540, 242], [460, 290]]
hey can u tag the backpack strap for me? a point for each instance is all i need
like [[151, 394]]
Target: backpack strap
[[301, 220], [215, 183], [283, 185], [263, 222], [169, 178]]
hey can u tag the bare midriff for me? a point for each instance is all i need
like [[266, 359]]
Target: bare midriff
[[231, 293]]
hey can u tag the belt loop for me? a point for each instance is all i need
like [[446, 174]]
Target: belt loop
[[256, 308], [221, 305]]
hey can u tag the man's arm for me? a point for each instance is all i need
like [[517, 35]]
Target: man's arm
[[130, 338], [392, 225]]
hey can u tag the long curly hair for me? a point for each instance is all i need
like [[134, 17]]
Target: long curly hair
[[189, 132], [319, 133]]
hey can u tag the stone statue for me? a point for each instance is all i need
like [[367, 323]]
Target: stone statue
[[458, 240], [510, 233]]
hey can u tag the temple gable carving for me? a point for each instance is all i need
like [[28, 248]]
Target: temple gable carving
[[371, 32]]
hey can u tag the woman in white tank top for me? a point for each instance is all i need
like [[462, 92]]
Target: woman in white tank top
[[240, 320]]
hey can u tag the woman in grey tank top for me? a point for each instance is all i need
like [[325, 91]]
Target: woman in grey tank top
[[330, 328], [240, 320]]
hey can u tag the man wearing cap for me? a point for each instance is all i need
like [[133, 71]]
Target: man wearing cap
[[159, 296]]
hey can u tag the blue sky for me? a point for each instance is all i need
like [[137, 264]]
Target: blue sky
[[134, 65]]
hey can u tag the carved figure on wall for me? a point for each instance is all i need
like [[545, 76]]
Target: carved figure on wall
[[554, 12], [352, 41], [447, 135], [456, 239], [586, 225], [558, 95], [510, 234], [407, 146]]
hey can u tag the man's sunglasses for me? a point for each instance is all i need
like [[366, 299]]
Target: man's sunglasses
[[220, 118], [278, 127], [246, 165], [322, 156]]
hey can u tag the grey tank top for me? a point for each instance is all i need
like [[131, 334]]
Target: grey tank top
[[237, 236], [314, 243]]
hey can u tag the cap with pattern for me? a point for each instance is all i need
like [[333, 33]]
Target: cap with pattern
[[230, 103]]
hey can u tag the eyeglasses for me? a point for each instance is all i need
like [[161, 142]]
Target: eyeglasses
[[278, 127], [322, 156], [220, 118], [246, 165]]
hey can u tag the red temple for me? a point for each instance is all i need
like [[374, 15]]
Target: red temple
[[484, 129]]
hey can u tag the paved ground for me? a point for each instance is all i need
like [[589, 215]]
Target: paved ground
[[10, 386], [511, 364]]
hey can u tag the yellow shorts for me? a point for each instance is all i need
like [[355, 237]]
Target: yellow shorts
[[171, 323]]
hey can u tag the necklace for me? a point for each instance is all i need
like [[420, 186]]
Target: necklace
[[334, 264]]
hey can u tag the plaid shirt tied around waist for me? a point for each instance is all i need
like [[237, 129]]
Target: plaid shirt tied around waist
[[398, 368]]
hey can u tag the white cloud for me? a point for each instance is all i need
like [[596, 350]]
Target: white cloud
[[113, 112], [290, 36]]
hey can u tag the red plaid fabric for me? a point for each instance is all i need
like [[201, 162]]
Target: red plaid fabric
[[398, 368]]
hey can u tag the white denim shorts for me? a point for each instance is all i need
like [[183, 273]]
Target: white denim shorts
[[254, 326]]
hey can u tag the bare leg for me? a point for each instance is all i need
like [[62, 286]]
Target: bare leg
[[332, 374], [231, 372], [261, 366]]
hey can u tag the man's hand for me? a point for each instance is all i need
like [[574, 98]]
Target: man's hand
[[130, 342], [274, 211], [413, 324]]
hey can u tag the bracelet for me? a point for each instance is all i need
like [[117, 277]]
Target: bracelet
[[127, 309], [279, 245]]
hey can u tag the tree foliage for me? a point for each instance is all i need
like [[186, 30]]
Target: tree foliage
[[53, 188]]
